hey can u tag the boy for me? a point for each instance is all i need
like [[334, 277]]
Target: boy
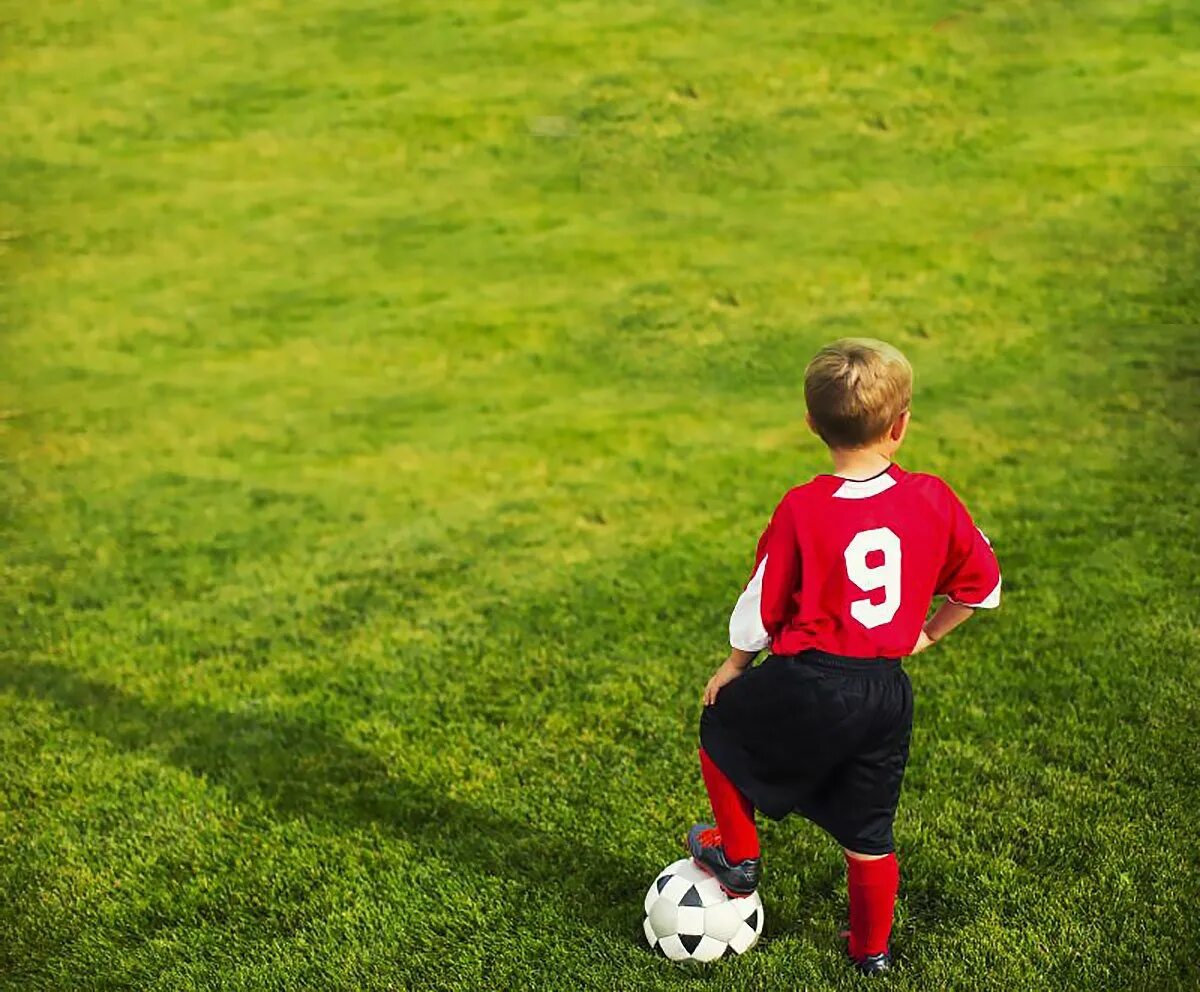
[[842, 583]]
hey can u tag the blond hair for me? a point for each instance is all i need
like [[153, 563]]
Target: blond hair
[[855, 389]]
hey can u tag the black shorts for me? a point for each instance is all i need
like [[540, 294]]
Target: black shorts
[[819, 735]]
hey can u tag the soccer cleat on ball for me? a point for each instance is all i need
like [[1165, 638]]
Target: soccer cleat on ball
[[690, 918], [704, 843]]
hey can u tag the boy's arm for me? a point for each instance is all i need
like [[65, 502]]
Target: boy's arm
[[766, 603], [970, 578], [948, 616], [733, 666]]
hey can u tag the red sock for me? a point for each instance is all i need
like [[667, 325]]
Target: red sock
[[733, 813], [872, 885]]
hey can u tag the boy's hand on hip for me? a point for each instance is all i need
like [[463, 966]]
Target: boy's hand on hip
[[923, 642], [728, 671]]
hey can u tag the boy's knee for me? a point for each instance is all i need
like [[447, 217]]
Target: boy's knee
[[859, 856]]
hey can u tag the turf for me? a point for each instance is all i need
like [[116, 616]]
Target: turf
[[392, 396]]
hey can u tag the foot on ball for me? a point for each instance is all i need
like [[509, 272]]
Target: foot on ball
[[704, 843]]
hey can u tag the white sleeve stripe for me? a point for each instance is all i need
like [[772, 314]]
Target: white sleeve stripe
[[746, 630], [990, 601]]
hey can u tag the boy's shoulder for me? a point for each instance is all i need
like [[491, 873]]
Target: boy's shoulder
[[934, 491], [930, 484]]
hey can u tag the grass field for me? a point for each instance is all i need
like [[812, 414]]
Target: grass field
[[392, 395]]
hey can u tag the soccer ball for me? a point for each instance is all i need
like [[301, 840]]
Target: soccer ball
[[690, 918]]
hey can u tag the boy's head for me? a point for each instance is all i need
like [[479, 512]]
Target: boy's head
[[858, 392]]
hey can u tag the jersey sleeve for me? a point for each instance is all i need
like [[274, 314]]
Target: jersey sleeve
[[766, 603], [970, 575]]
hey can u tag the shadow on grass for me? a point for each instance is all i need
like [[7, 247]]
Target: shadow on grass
[[299, 769]]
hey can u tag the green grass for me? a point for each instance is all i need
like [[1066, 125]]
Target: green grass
[[393, 393]]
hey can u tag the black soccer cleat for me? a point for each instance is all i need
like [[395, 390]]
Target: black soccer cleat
[[873, 964], [704, 843]]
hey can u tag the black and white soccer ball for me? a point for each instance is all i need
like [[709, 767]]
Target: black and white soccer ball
[[690, 918]]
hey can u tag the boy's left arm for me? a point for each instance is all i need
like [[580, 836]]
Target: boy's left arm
[[970, 578], [948, 616], [971, 574]]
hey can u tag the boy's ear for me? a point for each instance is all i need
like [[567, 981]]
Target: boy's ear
[[900, 426], [811, 426]]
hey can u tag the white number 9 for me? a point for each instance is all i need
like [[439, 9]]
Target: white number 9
[[885, 575]]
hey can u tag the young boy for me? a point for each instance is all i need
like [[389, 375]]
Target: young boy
[[841, 587]]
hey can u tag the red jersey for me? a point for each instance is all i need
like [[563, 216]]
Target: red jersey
[[851, 566]]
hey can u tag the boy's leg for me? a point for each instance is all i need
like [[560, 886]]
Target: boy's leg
[[733, 812], [858, 807], [872, 881]]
